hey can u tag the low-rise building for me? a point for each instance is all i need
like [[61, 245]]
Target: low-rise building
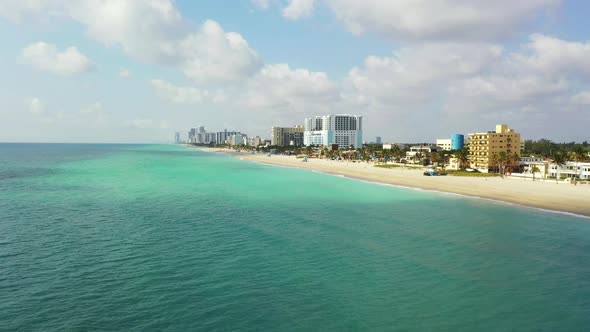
[[456, 142], [541, 166], [454, 164], [389, 146], [528, 160], [571, 169], [422, 149], [444, 143]]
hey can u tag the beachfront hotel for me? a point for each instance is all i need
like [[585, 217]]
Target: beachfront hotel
[[342, 129], [484, 146], [287, 136]]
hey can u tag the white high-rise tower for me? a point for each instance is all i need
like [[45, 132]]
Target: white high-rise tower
[[342, 129]]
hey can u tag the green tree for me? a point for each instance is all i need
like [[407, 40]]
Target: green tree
[[534, 170], [578, 154], [514, 160], [462, 156], [559, 159], [501, 159]]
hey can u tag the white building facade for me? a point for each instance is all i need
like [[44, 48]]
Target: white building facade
[[571, 169], [342, 129], [421, 149], [444, 143]]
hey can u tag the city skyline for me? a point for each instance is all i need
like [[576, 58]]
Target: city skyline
[[139, 71]]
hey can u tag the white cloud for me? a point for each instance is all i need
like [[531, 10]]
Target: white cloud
[[438, 19], [36, 106], [164, 125], [153, 31], [146, 30], [184, 94], [143, 123], [48, 57], [211, 55], [511, 88], [298, 8], [280, 86], [460, 84], [450, 67], [20, 9], [261, 4], [95, 108], [551, 55], [430, 20], [124, 73], [582, 98], [413, 74]]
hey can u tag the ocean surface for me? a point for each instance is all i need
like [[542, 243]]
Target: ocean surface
[[167, 238]]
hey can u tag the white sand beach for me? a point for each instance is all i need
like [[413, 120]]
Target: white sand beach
[[563, 197]]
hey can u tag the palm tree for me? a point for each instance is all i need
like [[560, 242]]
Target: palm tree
[[417, 156], [559, 159], [462, 156], [534, 170], [515, 161], [385, 153], [500, 158], [578, 154]]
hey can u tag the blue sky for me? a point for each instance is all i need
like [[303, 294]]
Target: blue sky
[[137, 71]]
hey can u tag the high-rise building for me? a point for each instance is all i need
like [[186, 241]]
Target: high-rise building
[[209, 138], [342, 129], [378, 140], [287, 136], [235, 138], [485, 148], [191, 135], [177, 138], [255, 141], [221, 137]]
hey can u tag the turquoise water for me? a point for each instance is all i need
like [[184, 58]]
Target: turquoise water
[[140, 237]]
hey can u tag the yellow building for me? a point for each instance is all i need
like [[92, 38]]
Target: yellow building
[[286, 136], [484, 147]]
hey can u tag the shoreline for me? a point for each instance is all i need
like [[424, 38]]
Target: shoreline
[[560, 198]]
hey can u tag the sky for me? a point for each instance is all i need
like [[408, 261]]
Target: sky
[[136, 71]]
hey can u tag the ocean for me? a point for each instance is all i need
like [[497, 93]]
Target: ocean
[[167, 238]]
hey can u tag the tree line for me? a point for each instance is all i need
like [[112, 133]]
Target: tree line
[[547, 148]]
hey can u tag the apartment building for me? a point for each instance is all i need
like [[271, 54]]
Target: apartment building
[[485, 146], [287, 136]]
